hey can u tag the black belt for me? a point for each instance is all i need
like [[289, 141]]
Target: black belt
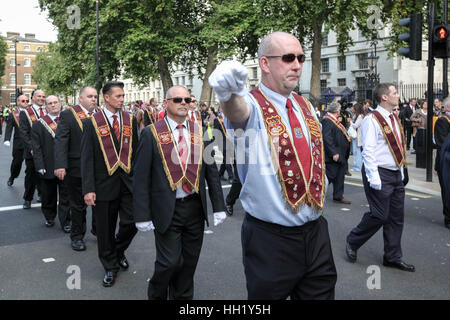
[[189, 197], [280, 228]]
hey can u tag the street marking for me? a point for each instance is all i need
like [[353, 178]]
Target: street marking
[[208, 231], [345, 209], [47, 260], [415, 199], [36, 205]]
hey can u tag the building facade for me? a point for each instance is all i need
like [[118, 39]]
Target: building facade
[[27, 49]]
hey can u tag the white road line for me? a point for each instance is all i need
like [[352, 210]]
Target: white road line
[[36, 205]]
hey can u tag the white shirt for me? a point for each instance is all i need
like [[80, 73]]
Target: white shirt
[[376, 152], [36, 109], [53, 117], [180, 193], [85, 110], [109, 116]]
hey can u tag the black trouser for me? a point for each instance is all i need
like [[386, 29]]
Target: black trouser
[[177, 252], [235, 190], [32, 180], [386, 210], [112, 247], [281, 262], [50, 189], [336, 175], [445, 210], [77, 208], [16, 163], [226, 165], [408, 132]]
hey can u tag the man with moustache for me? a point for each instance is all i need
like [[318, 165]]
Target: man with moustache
[[108, 147], [67, 161], [170, 196], [18, 145], [26, 119], [43, 135]]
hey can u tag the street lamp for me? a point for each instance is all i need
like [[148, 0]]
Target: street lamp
[[97, 62], [372, 79], [15, 40]]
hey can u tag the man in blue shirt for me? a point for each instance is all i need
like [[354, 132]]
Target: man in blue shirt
[[285, 241]]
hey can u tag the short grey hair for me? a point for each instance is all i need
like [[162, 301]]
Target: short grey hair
[[334, 107], [59, 100], [446, 102]]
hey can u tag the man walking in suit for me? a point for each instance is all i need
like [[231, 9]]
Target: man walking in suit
[[43, 136], [149, 112], [337, 147], [67, 161], [410, 109], [441, 131], [26, 119], [384, 174], [18, 146], [170, 196], [108, 147]]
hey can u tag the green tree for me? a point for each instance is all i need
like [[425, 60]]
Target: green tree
[[3, 52]]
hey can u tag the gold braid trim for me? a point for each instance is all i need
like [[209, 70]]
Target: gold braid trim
[[116, 165], [197, 180], [47, 127], [77, 118]]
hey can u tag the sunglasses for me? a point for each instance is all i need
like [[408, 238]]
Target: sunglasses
[[24, 100], [178, 100], [290, 57], [396, 109]]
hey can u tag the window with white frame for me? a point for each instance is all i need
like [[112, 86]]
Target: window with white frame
[[12, 98], [11, 46], [26, 47], [27, 79], [12, 78], [342, 63], [27, 62], [325, 63], [12, 62]]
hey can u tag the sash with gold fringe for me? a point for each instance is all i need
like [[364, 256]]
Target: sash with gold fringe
[[79, 115], [16, 114], [296, 190], [220, 118], [176, 174], [397, 147], [114, 160], [340, 126], [32, 118], [49, 125], [198, 116]]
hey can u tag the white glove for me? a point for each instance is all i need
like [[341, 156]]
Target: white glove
[[376, 186], [7, 143], [228, 78], [42, 171], [145, 226], [219, 217]]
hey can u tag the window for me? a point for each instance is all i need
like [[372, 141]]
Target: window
[[28, 95], [324, 39], [362, 61], [323, 85], [342, 82], [342, 63], [26, 47], [325, 65], [12, 62], [11, 47], [12, 98], [39, 49], [255, 73], [27, 79], [12, 78], [27, 62]]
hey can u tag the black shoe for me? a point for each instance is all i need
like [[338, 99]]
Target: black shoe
[[229, 209], [109, 279], [343, 201], [230, 180], [27, 204], [67, 229], [123, 262], [10, 182], [447, 225], [351, 254], [94, 233], [78, 245], [49, 223], [348, 173], [38, 199], [399, 265]]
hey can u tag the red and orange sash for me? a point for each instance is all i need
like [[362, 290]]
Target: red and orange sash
[[220, 118], [31, 115], [16, 114], [198, 116], [114, 160], [397, 147], [340, 126], [176, 174], [79, 115], [296, 190], [49, 125]]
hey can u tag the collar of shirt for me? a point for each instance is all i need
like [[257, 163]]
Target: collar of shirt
[[84, 109], [36, 108], [383, 112], [173, 125], [109, 115]]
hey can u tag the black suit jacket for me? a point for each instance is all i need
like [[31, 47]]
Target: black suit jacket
[[25, 133], [17, 140], [146, 118], [153, 199], [445, 161], [335, 142], [407, 115], [68, 144], [441, 131], [94, 174], [43, 148]]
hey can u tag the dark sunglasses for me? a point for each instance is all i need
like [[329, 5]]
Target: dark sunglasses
[[396, 109], [290, 57], [24, 100], [178, 100]]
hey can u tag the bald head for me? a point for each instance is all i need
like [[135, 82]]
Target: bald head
[[169, 93], [270, 42], [22, 101]]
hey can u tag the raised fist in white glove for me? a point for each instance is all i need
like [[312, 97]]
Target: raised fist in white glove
[[228, 78], [7, 143], [219, 217], [145, 226]]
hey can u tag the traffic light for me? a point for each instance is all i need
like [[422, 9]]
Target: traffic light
[[440, 41], [413, 37]]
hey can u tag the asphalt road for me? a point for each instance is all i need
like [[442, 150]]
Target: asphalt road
[[25, 242]]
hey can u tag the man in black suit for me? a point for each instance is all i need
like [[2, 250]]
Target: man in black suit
[[67, 161], [149, 112], [441, 131], [409, 110], [170, 196], [108, 146], [18, 147], [26, 118], [337, 148], [43, 136]]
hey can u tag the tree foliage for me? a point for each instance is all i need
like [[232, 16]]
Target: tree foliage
[[3, 52]]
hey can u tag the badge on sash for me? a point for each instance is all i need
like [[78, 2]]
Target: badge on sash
[[298, 133]]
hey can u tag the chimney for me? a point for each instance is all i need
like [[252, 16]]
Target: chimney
[[12, 34], [30, 35]]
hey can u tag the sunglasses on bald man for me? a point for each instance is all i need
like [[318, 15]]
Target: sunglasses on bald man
[[178, 99], [290, 57]]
